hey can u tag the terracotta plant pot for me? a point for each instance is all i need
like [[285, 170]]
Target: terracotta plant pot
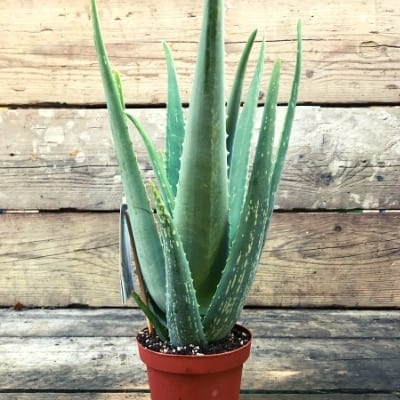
[[197, 377]]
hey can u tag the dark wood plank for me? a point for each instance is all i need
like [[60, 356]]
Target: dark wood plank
[[264, 323], [103, 362], [348, 56], [64, 158], [310, 259]]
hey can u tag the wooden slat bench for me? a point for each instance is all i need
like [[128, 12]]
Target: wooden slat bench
[[325, 307]]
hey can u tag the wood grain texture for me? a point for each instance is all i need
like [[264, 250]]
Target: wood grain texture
[[349, 57], [264, 323], [278, 363], [310, 259], [146, 396], [339, 158]]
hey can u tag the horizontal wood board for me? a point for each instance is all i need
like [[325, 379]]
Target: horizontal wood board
[[271, 323], [310, 259], [349, 57], [61, 360], [339, 158], [146, 396]]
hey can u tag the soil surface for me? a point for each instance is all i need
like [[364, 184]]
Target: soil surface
[[235, 340]]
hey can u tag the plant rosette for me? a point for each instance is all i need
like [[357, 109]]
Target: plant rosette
[[198, 376], [197, 256]]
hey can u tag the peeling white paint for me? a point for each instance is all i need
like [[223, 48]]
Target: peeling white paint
[[70, 124], [389, 118], [54, 134], [370, 201], [46, 113], [335, 167], [80, 157], [38, 129], [355, 198], [44, 149], [85, 136], [35, 146], [117, 179]]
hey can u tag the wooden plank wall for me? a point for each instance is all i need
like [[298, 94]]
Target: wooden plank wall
[[336, 238]]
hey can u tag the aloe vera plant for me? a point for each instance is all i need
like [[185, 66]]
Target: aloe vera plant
[[199, 252]]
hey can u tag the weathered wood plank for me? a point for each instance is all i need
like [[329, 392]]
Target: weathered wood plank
[[310, 363], [348, 56], [145, 396], [264, 323], [62, 358], [339, 158], [310, 259], [59, 259], [98, 363]]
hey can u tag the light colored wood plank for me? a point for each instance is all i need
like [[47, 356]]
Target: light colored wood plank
[[310, 259], [339, 158], [348, 56], [264, 323], [59, 259], [330, 260], [145, 396], [98, 363]]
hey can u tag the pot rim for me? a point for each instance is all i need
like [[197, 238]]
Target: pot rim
[[196, 364], [195, 356]]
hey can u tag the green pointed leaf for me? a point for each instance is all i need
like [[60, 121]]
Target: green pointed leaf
[[157, 163], [246, 249], [147, 240], [201, 204], [158, 325], [247, 245], [233, 106], [118, 84], [175, 124], [183, 315], [287, 126], [241, 149]]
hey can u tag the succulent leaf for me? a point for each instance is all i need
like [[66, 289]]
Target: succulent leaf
[[175, 124], [233, 106], [201, 204], [183, 314], [287, 125], [199, 261], [147, 239], [246, 248], [157, 163], [241, 149], [118, 85], [161, 331]]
